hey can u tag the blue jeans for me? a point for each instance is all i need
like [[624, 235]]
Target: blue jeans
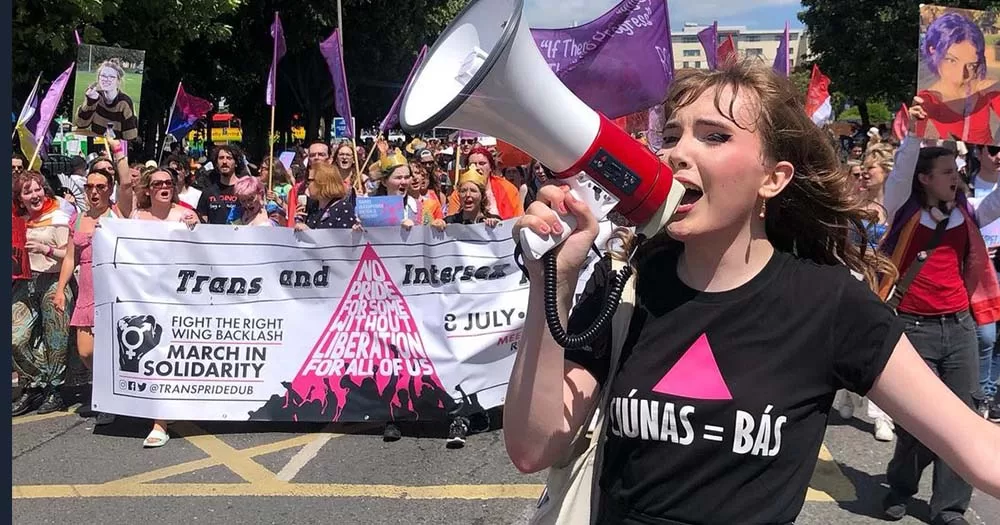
[[989, 360]]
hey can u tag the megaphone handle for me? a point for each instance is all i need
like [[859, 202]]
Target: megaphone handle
[[535, 246]]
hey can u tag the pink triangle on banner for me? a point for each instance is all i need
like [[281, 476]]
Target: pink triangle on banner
[[373, 328], [696, 375]]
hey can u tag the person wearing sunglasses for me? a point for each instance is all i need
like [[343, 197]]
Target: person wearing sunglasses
[[17, 164], [97, 189]]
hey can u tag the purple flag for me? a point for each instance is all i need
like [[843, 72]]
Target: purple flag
[[279, 51], [618, 64], [709, 38], [76, 34], [330, 48], [392, 118], [47, 109], [781, 65]]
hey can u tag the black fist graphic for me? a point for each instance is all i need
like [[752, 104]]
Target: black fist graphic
[[137, 335]]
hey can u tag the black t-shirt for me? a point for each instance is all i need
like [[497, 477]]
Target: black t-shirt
[[218, 203], [720, 404]]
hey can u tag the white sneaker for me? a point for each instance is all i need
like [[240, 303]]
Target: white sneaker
[[846, 409], [884, 430]]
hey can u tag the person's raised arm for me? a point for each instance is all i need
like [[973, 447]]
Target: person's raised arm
[[899, 183], [919, 402], [126, 193], [548, 398]]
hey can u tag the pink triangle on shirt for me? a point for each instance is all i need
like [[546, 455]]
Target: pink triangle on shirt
[[696, 375]]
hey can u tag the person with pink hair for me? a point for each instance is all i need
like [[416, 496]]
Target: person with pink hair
[[250, 196]]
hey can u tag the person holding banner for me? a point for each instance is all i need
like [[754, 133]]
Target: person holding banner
[[99, 187], [218, 200], [40, 330], [473, 199], [344, 160], [330, 203], [504, 198], [250, 198], [397, 179], [156, 200], [748, 319]]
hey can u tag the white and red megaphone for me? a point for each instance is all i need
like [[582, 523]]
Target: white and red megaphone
[[486, 74]]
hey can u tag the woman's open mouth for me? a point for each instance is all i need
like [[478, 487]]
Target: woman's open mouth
[[692, 194]]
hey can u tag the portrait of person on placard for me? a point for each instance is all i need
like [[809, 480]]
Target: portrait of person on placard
[[957, 75], [108, 86]]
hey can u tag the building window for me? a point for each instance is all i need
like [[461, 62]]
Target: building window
[[791, 62], [750, 38], [697, 64], [791, 51], [793, 36], [689, 39], [686, 65], [754, 52], [692, 52]]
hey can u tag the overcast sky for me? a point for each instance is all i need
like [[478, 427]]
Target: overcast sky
[[755, 14]]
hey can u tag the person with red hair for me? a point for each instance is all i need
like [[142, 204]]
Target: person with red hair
[[504, 198]]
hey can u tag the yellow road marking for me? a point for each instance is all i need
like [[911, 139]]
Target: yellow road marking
[[240, 464], [828, 482], [198, 464], [305, 490], [20, 420]]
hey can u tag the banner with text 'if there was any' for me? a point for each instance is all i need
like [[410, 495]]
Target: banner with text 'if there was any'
[[324, 325]]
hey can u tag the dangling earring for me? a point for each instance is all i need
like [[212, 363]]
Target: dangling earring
[[763, 209]]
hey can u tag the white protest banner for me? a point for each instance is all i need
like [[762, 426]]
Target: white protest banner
[[238, 323]]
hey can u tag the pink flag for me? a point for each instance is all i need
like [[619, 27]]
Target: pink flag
[[279, 51], [76, 34]]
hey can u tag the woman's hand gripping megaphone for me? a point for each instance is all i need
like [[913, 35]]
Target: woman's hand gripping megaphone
[[543, 219]]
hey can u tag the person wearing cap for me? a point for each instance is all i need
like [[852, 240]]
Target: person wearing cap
[[474, 203], [504, 198], [436, 176]]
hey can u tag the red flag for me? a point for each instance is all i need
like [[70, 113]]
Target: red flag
[[901, 123], [727, 50], [818, 105]]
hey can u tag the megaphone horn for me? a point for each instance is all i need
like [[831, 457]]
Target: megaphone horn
[[486, 74]]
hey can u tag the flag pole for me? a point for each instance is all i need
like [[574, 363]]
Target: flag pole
[[34, 92], [374, 147], [170, 116], [270, 142]]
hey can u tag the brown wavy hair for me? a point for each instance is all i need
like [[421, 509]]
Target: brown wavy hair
[[818, 216]]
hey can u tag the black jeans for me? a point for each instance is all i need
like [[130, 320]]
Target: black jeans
[[948, 345]]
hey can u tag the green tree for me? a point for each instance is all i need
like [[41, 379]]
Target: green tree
[[869, 49]]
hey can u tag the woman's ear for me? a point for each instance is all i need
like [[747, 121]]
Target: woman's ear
[[775, 181]]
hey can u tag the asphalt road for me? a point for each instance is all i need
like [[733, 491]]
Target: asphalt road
[[66, 471]]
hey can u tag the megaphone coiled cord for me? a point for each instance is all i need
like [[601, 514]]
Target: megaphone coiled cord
[[551, 294]]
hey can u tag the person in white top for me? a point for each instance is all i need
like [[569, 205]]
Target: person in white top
[[984, 183]]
